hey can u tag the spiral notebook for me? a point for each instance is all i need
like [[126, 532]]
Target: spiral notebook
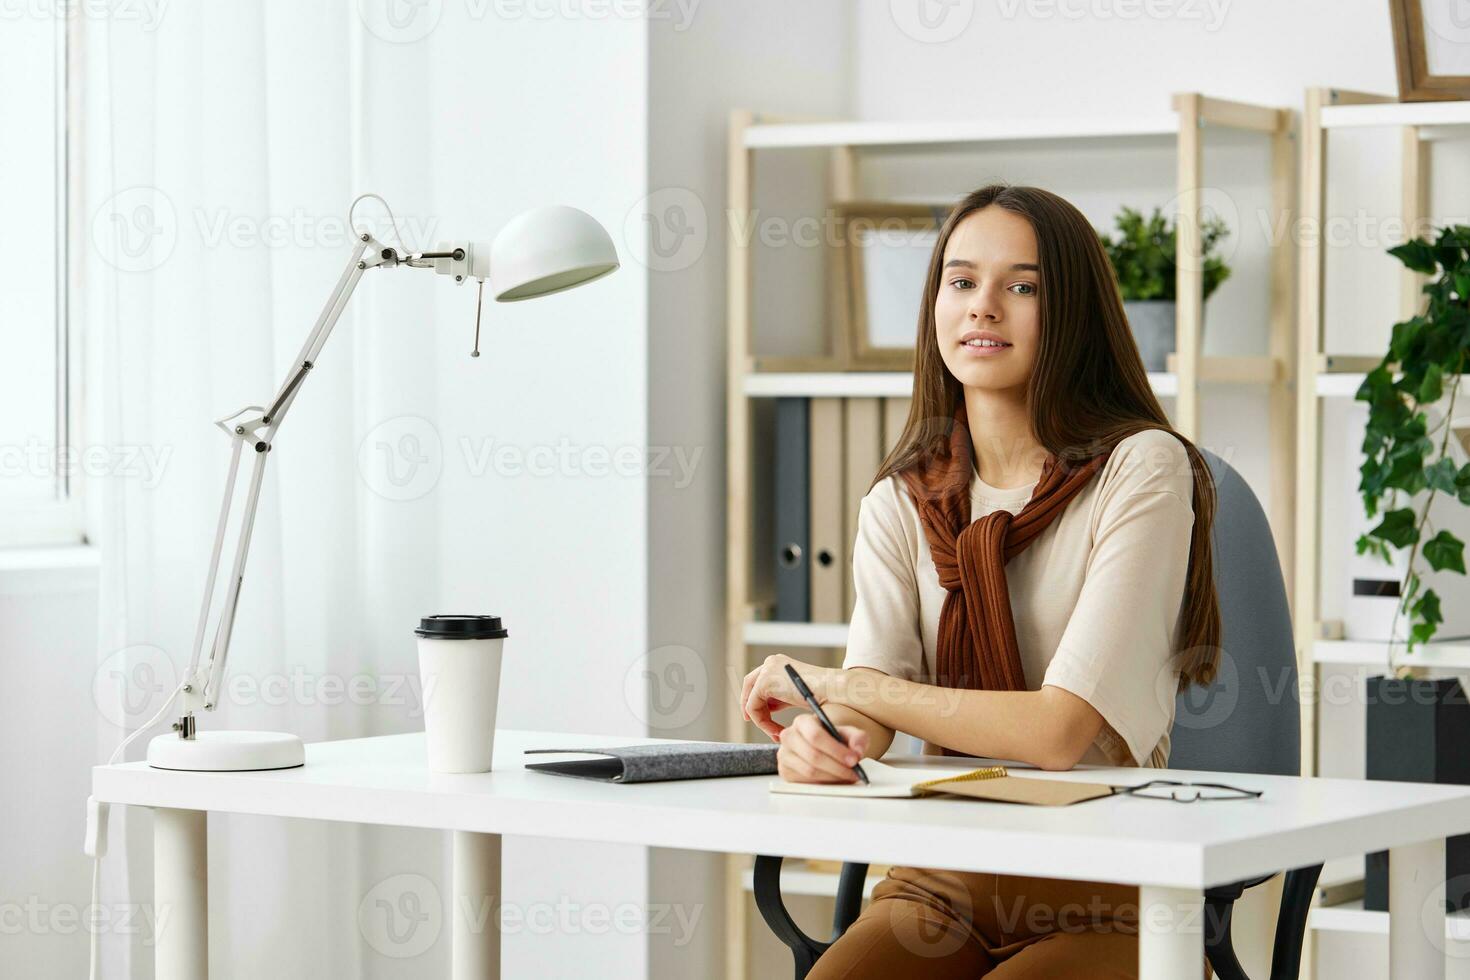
[[991, 783]]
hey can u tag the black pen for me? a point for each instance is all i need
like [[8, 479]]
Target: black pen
[[811, 702]]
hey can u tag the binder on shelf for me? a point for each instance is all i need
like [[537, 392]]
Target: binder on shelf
[[895, 414], [828, 550], [791, 545], [863, 437]]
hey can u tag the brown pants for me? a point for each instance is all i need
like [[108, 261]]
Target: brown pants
[[943, 924]]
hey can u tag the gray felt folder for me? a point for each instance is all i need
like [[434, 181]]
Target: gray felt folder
[[662, 761]]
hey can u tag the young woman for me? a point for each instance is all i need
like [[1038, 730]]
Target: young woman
[[1034, 583]]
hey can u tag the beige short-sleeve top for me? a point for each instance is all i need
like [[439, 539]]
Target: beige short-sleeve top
[[1096, 597]]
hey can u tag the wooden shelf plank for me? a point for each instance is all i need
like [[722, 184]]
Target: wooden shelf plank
[[1347, 363], [1234, 369]]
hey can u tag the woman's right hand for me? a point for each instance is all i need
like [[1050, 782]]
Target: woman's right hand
[[807, 754]]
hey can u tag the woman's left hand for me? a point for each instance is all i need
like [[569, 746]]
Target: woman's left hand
[[768, 688]]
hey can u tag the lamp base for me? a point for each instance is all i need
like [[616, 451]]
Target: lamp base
[[227, 751]]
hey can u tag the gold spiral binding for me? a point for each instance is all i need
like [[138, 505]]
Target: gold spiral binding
[[989, 772]]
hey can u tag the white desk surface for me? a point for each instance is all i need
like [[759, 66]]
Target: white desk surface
[[1148, 842]]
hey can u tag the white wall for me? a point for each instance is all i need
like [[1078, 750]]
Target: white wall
[[48, 627], [726, 56], [522, 113]]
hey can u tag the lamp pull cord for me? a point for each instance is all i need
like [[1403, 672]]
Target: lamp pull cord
[[479, 305]]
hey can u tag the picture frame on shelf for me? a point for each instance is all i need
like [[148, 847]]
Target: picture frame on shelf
[[1431, 47], [882, 257]]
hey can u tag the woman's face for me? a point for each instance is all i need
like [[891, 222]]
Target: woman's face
[[989, 292]]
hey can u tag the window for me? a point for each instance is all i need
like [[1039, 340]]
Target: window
[[39, 495]]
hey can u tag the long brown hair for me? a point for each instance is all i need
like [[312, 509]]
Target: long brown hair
[[1088, 389]]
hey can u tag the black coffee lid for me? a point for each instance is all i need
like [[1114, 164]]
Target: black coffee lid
[[452, 627]]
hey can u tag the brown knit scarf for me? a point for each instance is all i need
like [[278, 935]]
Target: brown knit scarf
[[977, 634]]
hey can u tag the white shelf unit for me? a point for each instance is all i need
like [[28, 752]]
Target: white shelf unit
[[1437, 655], [951, 135], [1352, 917], [774, 634], [1192, 118], [1434, 120], [899, 384], [1322, 375]]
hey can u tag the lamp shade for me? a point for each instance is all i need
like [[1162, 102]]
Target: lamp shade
[[546, 250]]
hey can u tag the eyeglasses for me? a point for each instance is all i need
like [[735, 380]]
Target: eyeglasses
[[1169, 789]]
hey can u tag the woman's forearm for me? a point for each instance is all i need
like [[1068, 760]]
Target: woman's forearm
[[1050, 728], [880, 736]]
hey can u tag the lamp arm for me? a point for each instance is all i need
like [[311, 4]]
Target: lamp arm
[[256, 426]]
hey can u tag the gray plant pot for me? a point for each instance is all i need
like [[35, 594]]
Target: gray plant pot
[[1152, 322]]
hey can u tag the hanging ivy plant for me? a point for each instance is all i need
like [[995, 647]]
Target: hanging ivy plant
[[1402, 453]]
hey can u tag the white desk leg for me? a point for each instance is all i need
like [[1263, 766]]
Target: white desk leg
[[476, 911], [1171, 939], [180, 895], [1416, 917]]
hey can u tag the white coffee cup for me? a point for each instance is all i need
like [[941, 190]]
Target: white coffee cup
[[459, 667]]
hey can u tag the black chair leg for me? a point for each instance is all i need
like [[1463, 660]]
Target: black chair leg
[[1291, 923], [804, 949], [1218, 946], [849, 898]]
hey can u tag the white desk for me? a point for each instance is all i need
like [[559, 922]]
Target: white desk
[[1173, 851]]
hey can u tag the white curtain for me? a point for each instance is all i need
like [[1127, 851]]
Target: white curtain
[[221, 145]]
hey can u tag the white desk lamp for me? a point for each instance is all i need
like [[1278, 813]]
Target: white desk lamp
[[540, 252]]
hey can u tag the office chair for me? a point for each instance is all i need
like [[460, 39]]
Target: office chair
[[1245, 721]]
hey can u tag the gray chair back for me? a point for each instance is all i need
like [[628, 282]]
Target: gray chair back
[[1248, 719]]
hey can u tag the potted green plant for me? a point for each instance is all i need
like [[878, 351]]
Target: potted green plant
[[1418, 727], [1142, 253]]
